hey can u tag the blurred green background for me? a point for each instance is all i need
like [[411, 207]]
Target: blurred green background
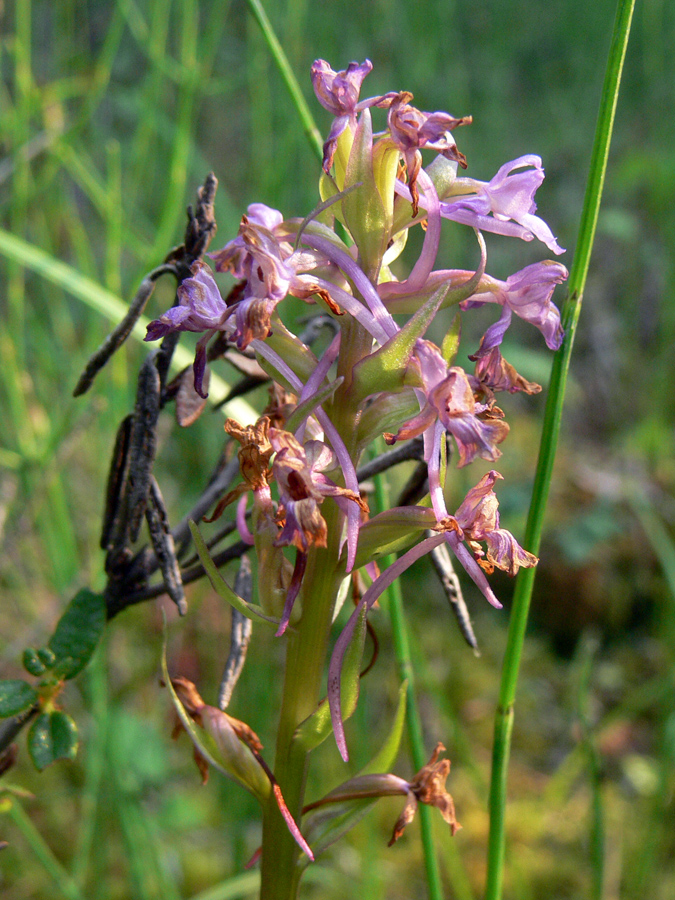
[[111, 113]]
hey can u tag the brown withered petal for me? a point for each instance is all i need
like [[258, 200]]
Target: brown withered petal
[[202, 765], [404, 819], [188, 695], [189, 404], [428, 786]]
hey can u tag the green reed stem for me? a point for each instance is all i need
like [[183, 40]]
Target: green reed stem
[[291, 82], [549, 440]]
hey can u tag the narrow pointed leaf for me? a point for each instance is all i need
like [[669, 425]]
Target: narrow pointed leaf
[[258, 786], [316, 728], [387, 368], [326, 824], [305, 409], [363, 209], [391, 530], [220, 586]]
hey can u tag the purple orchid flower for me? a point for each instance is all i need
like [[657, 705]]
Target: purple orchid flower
[[201, 308], [448, 397], [475, 522], [527, 294], [510, 199], [338, 92], [302, 488], [412, 129]]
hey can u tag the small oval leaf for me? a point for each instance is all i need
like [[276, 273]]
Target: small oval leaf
[[77, 633], [52, 736], [15, 696], [32, 662]]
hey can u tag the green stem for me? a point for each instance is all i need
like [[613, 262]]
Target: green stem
[[549, 440], [305, 663], [291, 82], [62, 880]]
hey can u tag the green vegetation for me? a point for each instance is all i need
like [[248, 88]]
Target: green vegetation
[[111, 115]]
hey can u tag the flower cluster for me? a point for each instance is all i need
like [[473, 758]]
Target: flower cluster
[[380, 375]]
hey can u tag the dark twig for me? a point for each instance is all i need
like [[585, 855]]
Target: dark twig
[[143, 442], [416, 486], [163, 545], [240, 635], [11, 728], [402, 453], [201, 227], [118, 597], [113, 529], [119, 335], [442, 563]]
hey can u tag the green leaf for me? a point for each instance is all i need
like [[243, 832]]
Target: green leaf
[[220, 586], [327, 824], [391, 530], [32, 662], [387, 368], [52, 736], [15, 696], [385, 413], [77, 633], [316, 728], [385, 758], [307, 407], [291, 349]]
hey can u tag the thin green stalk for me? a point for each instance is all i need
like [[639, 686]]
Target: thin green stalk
[[291, 82], [62, 880], [394, 604], [588, 649], [547, 449], [182, 144], [95, 762]]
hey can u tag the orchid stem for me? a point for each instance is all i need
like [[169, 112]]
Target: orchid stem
[[547, 449]]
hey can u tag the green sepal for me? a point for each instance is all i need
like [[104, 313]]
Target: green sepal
[[389, 368], [77, 634], [316, 728], [450, 344], [391, 530], [327, 824], [307, 407], [293, 352], [52, 736], [245, 769], [363, 209], [15, 696], [221, 587], [32, 662], [386, 413], [385, 168]]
